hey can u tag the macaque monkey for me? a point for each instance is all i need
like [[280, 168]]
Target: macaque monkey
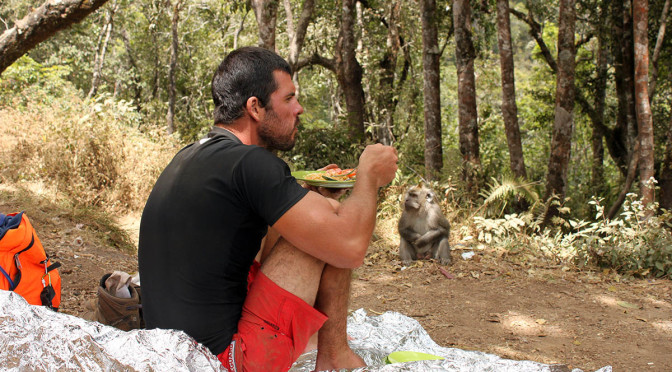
[[423, 229]]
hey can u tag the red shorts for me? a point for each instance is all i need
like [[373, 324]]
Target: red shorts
[[274, 329]]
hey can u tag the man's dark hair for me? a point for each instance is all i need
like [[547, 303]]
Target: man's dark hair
[[246, 72]]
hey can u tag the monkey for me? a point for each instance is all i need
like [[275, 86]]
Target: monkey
[[423, 228]]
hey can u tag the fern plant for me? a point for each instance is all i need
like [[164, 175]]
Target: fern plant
[[509, 194]]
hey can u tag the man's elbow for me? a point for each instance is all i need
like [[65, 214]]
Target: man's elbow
[[353, 255]]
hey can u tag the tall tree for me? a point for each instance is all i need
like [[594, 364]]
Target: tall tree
[[297, 35], [656, 50], [466, 93], [640, 13], [101, 48], [509, 107], [623, 145], [40, 24], [431, 89], [387, 101], [135, 81], [172, 70], [666, 171], [599, 89], [266, 12], [617, 138], [563, 125], [349, 71]]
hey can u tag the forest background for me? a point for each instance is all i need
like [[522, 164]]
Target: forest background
[[544, 125]]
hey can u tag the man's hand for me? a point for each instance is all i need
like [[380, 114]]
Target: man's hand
[[377, 164]]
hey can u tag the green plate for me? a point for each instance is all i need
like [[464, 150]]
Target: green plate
[[409, 356], [301, 176]]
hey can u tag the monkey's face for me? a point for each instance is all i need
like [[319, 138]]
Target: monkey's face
[[417, 196]]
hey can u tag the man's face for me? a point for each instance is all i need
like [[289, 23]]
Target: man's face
[[277, 130]]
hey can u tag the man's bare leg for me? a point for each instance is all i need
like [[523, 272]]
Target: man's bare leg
[[293, 270], [323, 286], [333, 295]]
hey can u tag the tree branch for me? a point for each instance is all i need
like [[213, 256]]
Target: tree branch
[[585, 39], [316, 59], [656, 50], [535, 32], [42, 23]]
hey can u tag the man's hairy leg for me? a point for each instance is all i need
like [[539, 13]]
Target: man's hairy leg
[[323, 286], [333, 295], [293, 270]]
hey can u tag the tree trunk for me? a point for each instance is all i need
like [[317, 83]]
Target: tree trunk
[[597, 139], [620, 140], [431, 90], [617, 138], [349, 71], [666, 172], [656, 50], [466, 92], [170, 116], [509, 108], [563, 126], [640, 12], [631, 174], [100, 53], [40, 24], [388, 64], [600, 88], [135, 80], [297, 36], [627, 46], [266, 12]]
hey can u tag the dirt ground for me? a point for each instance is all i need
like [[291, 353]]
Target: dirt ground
[[548, 314]]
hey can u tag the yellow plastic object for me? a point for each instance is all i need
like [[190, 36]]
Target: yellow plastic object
[[409, 356]]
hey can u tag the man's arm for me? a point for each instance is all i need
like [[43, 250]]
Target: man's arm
[[339, 234]]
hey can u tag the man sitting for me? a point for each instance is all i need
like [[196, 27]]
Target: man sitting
[[211, 208]]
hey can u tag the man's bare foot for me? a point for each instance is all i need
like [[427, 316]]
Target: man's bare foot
[[344, 359]]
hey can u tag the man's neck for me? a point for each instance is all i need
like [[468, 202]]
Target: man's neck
[[243, 133]]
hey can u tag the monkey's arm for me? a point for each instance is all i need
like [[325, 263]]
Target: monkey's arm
[[409, 235], [439, 228], [431, 235]]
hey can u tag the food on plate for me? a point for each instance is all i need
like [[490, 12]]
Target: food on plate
[[334, 174]]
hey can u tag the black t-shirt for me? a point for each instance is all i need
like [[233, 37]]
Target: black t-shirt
[[201, 228]]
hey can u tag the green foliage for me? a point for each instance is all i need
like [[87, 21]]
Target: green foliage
[[28, 81], [511, 193], [630, 243], [320, 146]]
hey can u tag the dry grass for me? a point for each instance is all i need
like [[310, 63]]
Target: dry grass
[[88, 152]]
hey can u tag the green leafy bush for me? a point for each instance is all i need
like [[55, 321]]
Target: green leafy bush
[[26, 81], [631, 243], [317, 147]]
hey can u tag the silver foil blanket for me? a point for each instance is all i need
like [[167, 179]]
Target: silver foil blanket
[[375, 337], [34, 338]]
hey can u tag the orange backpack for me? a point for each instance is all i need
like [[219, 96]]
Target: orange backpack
[[24, 265]]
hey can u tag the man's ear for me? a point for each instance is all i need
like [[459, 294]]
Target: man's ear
[[254, 107]]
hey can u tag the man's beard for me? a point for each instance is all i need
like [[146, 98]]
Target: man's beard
[[270, 138]]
